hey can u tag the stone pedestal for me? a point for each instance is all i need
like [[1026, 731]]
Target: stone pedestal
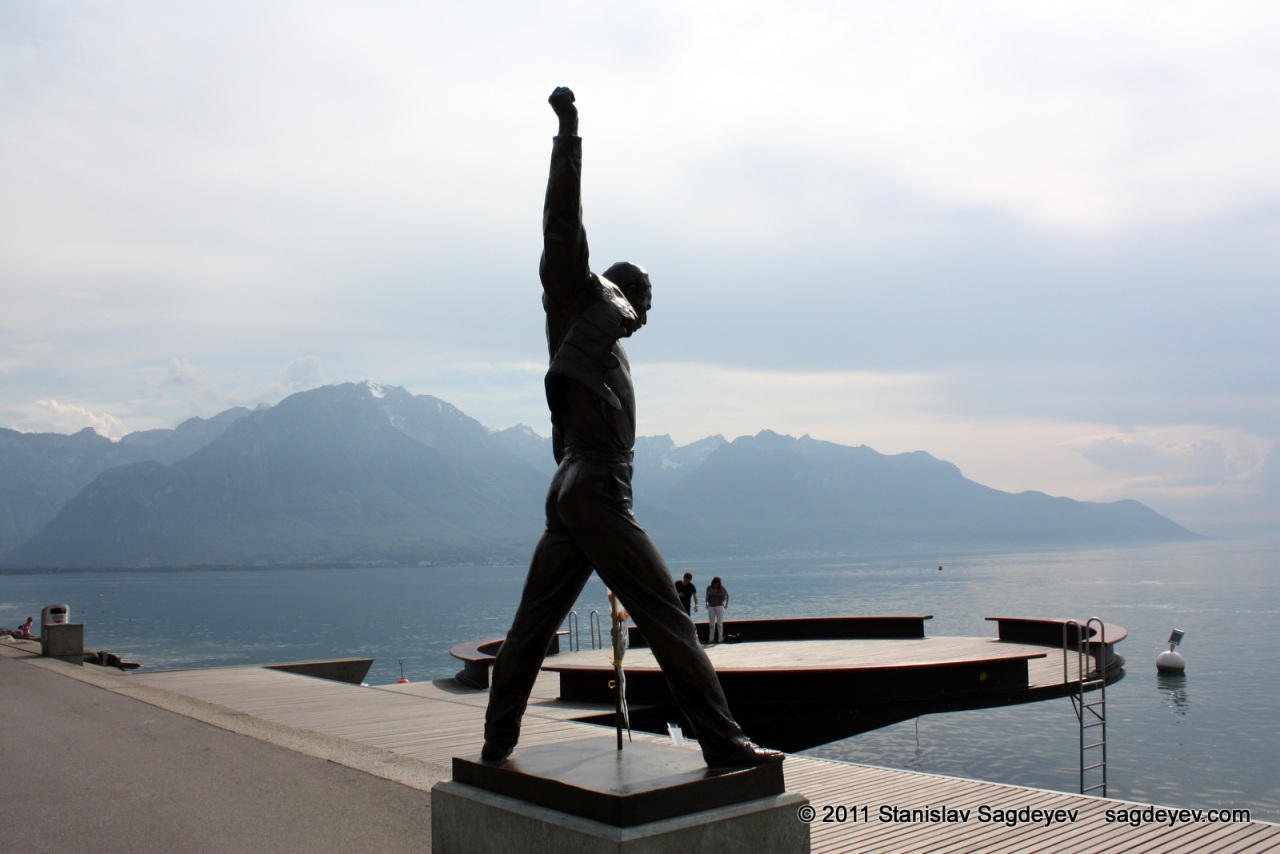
[[64, 641], [586, 796]]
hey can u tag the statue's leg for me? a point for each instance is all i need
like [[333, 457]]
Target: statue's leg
[[557, 574], [598, 515]]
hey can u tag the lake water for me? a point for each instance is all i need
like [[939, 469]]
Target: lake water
[[1207, 739]]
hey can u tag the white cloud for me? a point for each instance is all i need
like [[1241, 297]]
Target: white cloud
[[1177, 456], [70, 418], [844, 406], [181, 372], [1087, 117], [303, 373]]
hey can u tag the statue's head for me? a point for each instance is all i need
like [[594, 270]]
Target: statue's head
[[634, 283]]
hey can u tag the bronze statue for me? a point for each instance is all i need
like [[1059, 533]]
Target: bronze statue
[[589, 518]]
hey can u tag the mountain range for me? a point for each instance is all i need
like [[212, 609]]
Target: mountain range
[[366, 473]]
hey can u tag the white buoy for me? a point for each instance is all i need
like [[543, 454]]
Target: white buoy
[[1171, 661]]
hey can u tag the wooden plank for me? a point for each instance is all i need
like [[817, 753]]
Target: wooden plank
[[1256, 842]]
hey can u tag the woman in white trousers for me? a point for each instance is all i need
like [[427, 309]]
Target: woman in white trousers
[[716, 600]]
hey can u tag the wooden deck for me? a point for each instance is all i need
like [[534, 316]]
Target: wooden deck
[[432, 722], [1045, 666], [830, 655], [794, 695]]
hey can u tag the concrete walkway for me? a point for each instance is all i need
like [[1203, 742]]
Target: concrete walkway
[[88, 769]]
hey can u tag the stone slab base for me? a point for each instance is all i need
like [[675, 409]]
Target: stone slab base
[[64, 641], [646, 782], [468, 820]]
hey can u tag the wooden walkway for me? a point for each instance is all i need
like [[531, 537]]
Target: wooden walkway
[[432, 722]]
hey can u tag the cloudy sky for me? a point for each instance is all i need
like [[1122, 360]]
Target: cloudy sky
[[1039, 240]]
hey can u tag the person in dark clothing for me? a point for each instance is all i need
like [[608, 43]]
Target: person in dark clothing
[[687, 592], [589, 517]]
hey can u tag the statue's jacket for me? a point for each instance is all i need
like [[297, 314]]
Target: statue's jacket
[[586, 355], [587, 315]]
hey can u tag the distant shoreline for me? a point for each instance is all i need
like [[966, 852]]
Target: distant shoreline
[[938, 554]]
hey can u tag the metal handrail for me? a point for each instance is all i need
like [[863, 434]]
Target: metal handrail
[[597, 635], [1090, 715], [572, 622]]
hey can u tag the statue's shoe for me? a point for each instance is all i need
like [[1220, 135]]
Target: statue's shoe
[[495, 754], [740, 753]]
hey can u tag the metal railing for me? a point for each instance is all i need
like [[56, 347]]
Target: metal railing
[[1091, 714], [575, 640], [571, 625], [597, 635]]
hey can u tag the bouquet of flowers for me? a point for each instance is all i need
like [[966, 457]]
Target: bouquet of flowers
[[618, 633]]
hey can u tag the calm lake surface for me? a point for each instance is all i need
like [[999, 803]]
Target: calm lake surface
[[1207, 739]]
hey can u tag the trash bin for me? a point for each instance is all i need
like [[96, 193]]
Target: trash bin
[[59, 637], [55, 615]]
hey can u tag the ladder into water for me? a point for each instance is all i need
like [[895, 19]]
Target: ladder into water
[[1088, 697]]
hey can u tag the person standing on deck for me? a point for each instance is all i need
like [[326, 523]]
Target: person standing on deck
[[717, 599], [588, 508], [687, 592]]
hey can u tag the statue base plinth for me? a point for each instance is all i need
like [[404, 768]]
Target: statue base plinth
[[587, 796]]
